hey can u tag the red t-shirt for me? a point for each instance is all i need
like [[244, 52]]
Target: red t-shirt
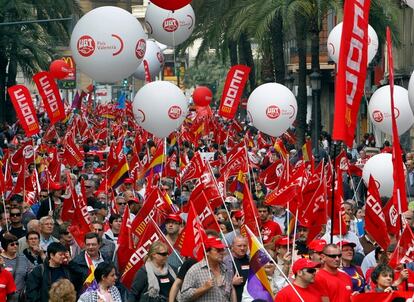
[[309, 294], [7, 285], [338, 287], [270, 229]]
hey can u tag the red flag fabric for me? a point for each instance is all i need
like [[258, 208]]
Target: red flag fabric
[[150, 235], [375, 224], [81, 221], [236, 163], [391, 217], [125, 241], [398, 172], [404, 252], [193, 170], [25, 110], [339, 226], [49, 92], [270, 177], [352, 69], [72, 154], [381, 297], [250, 213], [233, 89], [207, 188]]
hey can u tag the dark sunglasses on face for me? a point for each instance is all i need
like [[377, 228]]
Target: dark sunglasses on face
[[14, 244], [122, 203], [15, 214], [333, 256], [163, 254], [310, 270]]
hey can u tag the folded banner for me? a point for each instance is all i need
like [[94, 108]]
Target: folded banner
[[25, 110], [352, 69], [382, 297], [233, 89], [49, 92]]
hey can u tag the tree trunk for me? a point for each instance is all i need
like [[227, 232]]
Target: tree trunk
[[233, 53], [11, 80], [267, 67], [300, 28], [278, 53], [246, 54], [3, 92]]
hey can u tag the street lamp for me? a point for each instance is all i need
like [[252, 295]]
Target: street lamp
[[315, 81], [289, 80]]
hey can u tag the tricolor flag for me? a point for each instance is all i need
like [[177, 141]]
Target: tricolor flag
[[258, 286]]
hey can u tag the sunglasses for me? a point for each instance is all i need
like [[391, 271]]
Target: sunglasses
[[122, 203], [163, 254], [44, 195], [15, 214], [14, 244], [88, 187], [98, 230], [333, 256], [310, 270]]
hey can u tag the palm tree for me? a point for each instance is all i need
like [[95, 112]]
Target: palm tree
[[28, 45]]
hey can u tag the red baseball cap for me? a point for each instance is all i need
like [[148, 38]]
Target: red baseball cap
[[317, 245], [238, 214], [304, 263], [128, 180], [283, 241], [174, 217], [346, 243], [214, 242], [134, 200]]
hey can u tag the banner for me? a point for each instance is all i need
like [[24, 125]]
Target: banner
[[23, 104], [233, 89], [352, 69], [49, 92]]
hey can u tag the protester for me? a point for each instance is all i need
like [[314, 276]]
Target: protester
[[46, 230], [302, 288], [172, 228], [209, 279], [62, 290], [105, 290], [44, 275], [32, 226], [154, 280], [383, 278], [7, 285], [33, 252], [268, 228], [115, 221], [355, 272]]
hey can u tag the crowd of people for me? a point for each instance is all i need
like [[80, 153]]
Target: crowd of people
[[43, 258]]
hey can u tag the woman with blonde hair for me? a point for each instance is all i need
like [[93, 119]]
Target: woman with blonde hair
[[62, 290], [153, 281]]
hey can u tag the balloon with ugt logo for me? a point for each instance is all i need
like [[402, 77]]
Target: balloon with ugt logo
[[160, 107], [170, 27], [272, 108], [379, 109], [108, 44], [153, 61]]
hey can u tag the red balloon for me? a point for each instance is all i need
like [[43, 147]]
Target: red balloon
[[59, 69], [202, 96], [171, 4]]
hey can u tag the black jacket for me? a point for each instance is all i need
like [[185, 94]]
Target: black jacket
[[39, 281]]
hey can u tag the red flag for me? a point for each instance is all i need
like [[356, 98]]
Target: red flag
[[2, 180], [49, 92], [81, 221], [233, 89], [404, 252], [170, 169], [24, 107], [391, 217], [150, 235], [207, 187], [398, 174], [125, 241], [193, 170], [236, 163], [72, 154], [250, 212], [50, 133], [270, 177], [204, 212], [352, 69], [339, 226], [375, 224]]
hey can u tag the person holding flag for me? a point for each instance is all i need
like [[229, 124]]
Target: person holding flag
[[209, 280]]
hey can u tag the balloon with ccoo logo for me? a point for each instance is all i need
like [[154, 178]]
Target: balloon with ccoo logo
[[170, 27], [334, 43], [272, 108], [379, 109], [160, 107], [153, 61], [108, 44]]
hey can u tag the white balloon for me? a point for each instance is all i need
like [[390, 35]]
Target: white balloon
[[160, 107], [108, 44], [272, 108], [410, 3], [170, 27], [411, 91], [334, 43], [379, 109], [154, 59], [381, 168]]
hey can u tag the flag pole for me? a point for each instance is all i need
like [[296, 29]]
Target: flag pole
[[335, 144]]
